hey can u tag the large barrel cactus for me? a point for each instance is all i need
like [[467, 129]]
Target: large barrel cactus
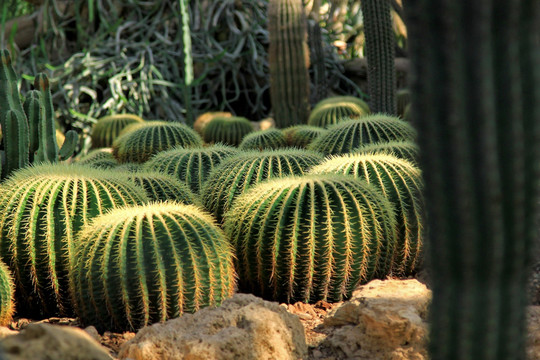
[[407, 150], [288, 59], [236, 174], [344, 99], [142, 264], [263, 140], [401, 183], [107, 128], [42, 209], [152, 137], [96, 155], [7, 295], [163, 187], [311, 238], [301, 136], [331, 113], [203, 119], [476, 105], [190, 166], [346, 136], [229, 130]]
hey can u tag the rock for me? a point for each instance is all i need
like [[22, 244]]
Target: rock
[[92, 331], [243, 327], [5, 332], [383, 320], [45, 341], [533, 336]]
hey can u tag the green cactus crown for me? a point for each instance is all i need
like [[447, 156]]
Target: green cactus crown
[[227, 130], [107, 128], [263, 140]]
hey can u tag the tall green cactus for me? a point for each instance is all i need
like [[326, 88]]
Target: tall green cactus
[[142, 264], [289, 62], [42, 208], [380, 51], [476, 105], [311, 238]]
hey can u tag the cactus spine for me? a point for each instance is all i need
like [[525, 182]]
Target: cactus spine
[[108, 128], [380, 51], [311, 238], [289, 62], [163, 187], [7, 294], [42, 209], [477, 108], [142, 264], [407, 150], [229, 130], [301, 136]]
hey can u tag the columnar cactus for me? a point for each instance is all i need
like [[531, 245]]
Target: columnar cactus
[[289, 62], [380, 52], [316, 55], [311, 238], [42, 209], [476, 104], [263, 140], [227, 130], [238, 173], [163, 187], [142, 264], [401, 183], [7, 294], [331, 113], [190, 166], [301, 136], [348, 135], [403, 99], [407, 150], [152, 137], [107, 128]]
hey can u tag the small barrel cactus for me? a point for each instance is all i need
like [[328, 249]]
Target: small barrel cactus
[[107, 128], [301, 136], [42, 209], [146, 140], [96, 155], [407, 150], [345, 98], [7, 294], [311, 238], [263, 140], [227, 130], [190, 166], [203, 119], [401, 183], [238, 173], [346, 136], [163, 187], [331, 113], [142, 264]]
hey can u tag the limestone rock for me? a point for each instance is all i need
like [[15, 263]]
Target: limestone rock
[[533, 336], [45, 341], [384, 320], [243, 327], [5, 332]]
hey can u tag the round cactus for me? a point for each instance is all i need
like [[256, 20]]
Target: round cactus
[[346, 136], [190, 166], [99, 158], [42, 208], [401, 183], [203, 119], [310, 238], [140, 144], [7, 292], [107, 128], [163, 187], [344, 98], [301, 136], [238, 173], [263, 140], [407, 150], [142, 264], [330, 113], [227, 130]]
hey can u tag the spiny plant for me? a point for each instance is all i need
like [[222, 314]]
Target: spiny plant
[[344, 99], [95, 155], [263, 140], [191, 166], [107, 128], [7, 294], [130, 167], [407, 150], [205, 118], [401, 183], [227, 130], [310, 238], [163, 187], [288, 59], [332, 113], [301, 136], [141, 264], [238, 173], [152, 137], [42, 209], [29, 133], [349, 135], [403, 99]]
